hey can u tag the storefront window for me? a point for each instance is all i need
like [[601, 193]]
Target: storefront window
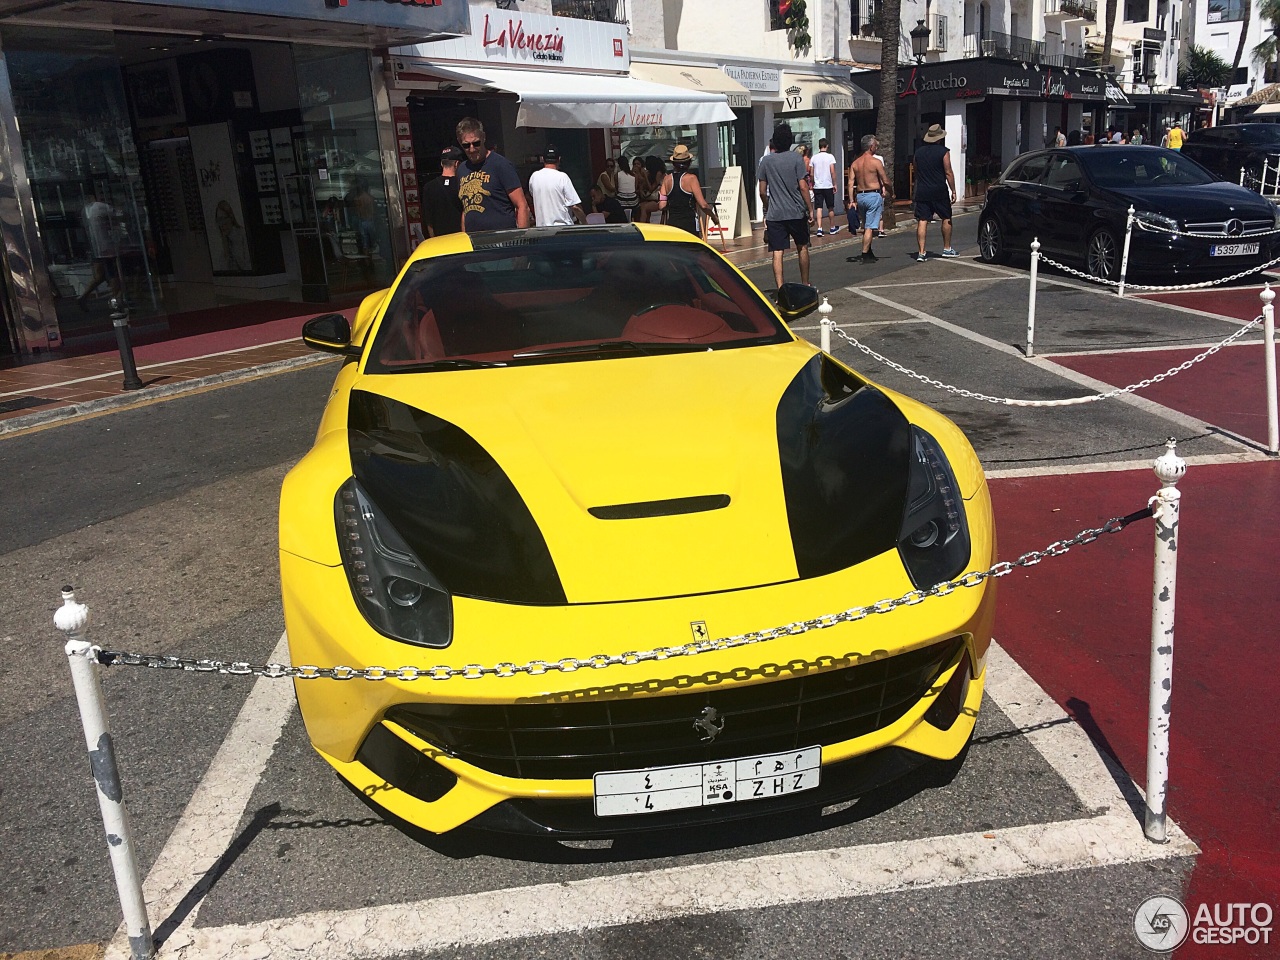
[[341, 135], [86, 183]]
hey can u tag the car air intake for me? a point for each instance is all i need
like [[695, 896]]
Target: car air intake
[[575, 740], [660, 508]]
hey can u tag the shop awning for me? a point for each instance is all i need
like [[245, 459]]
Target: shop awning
[[1115, 96], [697, 78], [803, 93], [577, 100]]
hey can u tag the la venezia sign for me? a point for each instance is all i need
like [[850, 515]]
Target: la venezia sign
[[511, 34]]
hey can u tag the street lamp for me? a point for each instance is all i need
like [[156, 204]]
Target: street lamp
[[919, 41]]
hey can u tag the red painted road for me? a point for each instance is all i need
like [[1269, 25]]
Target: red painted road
[[1228, 389], [1088, 644], [1239, 302]]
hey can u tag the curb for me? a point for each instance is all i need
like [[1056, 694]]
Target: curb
[[124, 401]]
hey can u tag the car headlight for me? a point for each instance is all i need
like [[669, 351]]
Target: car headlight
[[397, 594], [934, 539], [1146, 220]]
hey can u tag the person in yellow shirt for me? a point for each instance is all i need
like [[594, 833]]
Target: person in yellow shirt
[[1173, 139]]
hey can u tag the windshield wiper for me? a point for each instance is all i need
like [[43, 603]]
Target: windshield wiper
[[612, 346], [452, 363]]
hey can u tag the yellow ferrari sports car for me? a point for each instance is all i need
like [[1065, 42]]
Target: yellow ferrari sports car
[[601, 518]]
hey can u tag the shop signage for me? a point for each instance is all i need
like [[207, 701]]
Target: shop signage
[[755, 79], [541, 46], [979, 78], [532, 40]]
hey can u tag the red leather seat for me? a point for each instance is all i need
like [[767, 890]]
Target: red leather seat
[[677, 323]]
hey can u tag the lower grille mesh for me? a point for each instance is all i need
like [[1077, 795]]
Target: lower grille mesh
[[569, 741]]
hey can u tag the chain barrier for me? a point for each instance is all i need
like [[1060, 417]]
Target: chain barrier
[[599, 661], [1157, 228], [1069, 401], [1204, 284]]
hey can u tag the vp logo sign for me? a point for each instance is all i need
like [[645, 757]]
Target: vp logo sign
[[794, 97]]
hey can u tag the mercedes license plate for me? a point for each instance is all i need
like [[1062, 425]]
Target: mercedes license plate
[[623, 792], [1233, 249]]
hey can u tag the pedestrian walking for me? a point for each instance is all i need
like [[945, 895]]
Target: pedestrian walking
[[823, 166], [868, 185], [935, 189], [490, 191], [681, 196], [788, 210], [627, 190], [555, 201], [441, 207]]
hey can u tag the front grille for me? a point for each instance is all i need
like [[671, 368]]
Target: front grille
[[1220, 228], [571, 741]]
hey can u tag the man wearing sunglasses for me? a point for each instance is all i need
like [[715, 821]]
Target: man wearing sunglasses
[[489, 187]]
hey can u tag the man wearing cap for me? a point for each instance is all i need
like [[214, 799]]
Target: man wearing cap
[[555, 202], [784, 193], [441, 208], [489, 187], [935, 189]]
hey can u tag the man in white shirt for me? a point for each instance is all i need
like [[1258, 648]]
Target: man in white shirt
[[823, 165], [555, 202]]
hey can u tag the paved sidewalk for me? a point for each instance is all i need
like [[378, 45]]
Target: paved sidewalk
[[37, 394]]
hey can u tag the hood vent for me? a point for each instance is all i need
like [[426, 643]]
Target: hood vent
[[660, 508]]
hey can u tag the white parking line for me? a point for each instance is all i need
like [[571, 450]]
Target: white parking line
[[1110, 836], [1183, 420]]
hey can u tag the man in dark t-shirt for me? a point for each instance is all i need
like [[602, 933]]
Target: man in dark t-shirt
[[441, 207], [609, 206], [935, 189], [490, 190]]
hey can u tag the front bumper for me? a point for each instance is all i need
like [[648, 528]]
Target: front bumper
[[1152, 254], [324, 627]]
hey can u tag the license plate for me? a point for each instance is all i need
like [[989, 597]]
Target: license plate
[[1233, 249], [623, 792]]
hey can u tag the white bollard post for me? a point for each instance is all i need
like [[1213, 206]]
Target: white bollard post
[[72, 618], [825, 324], [1269, 344], [1242, 176], [1031, 297], [1124, 259], [1170, 468]]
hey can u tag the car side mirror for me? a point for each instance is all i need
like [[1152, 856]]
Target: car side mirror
[[330, 332], [795, 300]]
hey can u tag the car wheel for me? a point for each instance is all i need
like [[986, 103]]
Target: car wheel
[[1102, 256], [991, 244]]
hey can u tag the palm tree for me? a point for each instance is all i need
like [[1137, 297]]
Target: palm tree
[[1244, 32], [1109, 35], [890, 31], [1203, 68]]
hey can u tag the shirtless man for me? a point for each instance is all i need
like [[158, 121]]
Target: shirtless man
[[868, 185]]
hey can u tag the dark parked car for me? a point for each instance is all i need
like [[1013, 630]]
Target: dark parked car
[[1228, 148], [1076, 200]]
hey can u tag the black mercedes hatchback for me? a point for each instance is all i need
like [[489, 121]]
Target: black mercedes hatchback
[[1076, 200]]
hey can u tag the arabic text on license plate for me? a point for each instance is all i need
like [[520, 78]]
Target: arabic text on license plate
[[1233, 249], [625, 792]]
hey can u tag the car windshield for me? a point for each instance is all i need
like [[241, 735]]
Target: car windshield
[[580, 294], [1142, 167], [1263, 133]]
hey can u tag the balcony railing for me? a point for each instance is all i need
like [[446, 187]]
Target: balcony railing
[[1066, 61], [602, 11], [1077, 9], [1005, 47]]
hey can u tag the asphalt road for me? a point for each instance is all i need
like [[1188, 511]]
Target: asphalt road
[[164, 519]]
